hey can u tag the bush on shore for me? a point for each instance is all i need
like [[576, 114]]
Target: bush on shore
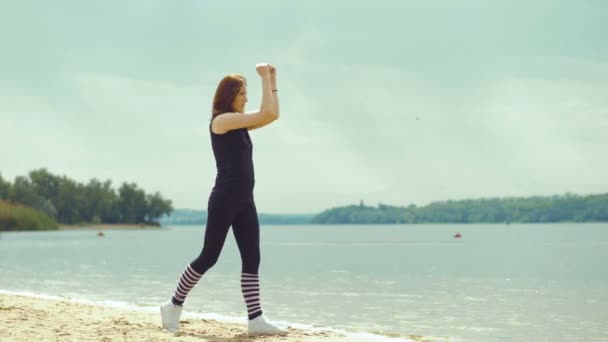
[[18, 217]]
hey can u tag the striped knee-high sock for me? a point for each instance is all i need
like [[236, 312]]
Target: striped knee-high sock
[[250, 285], [186, 282]]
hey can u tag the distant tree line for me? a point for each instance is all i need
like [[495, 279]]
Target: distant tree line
[[199, 217], [538, 209], [70, 202]]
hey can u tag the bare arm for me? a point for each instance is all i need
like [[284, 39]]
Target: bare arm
[[231, 121], [275, 99]]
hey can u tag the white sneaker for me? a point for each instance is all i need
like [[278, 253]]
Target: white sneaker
[[170, 314], [259, 326]]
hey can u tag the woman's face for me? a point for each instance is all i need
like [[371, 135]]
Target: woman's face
[[240, 99]]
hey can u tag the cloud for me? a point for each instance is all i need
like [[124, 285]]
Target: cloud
[[401, 103]]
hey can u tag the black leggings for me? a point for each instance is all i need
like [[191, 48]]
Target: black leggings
[[228, 205]]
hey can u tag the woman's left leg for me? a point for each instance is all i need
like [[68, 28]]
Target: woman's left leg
[[246, 230]]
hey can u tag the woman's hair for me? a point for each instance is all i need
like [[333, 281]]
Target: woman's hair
[[226, 91]]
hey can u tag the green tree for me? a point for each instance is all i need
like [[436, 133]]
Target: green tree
[[132, 203], [23, 192], [157, 207], [44, 183], [70, 202], [101, 201], [5, 188]]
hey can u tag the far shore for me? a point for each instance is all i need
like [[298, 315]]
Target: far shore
[[107, 226]]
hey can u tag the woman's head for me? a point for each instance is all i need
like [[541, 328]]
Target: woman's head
[[231, 95]]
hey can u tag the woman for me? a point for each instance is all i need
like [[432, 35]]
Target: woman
[[231, 202]]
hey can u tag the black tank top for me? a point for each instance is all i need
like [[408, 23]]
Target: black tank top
[[233, 153]]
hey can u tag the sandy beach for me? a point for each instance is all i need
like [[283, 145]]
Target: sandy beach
[[24, 318]]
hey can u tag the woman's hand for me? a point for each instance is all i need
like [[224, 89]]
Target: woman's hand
[[263, 69]]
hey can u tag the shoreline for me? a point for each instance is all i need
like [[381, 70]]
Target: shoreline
[[107, 226], [36, 317]]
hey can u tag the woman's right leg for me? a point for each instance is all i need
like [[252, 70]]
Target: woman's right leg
[[220, 214], [219, 218]]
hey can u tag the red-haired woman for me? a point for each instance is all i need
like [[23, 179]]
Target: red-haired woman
[[231, 202]]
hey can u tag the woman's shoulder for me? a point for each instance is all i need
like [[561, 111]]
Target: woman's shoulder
[[225, 123]]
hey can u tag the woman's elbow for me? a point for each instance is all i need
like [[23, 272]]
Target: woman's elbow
[[271, 114]]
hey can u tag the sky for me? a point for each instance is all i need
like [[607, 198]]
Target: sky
[[393, 102]]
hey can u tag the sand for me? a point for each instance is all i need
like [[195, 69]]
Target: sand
[[24, 318]]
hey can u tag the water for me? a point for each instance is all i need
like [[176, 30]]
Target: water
[[498, 282]]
